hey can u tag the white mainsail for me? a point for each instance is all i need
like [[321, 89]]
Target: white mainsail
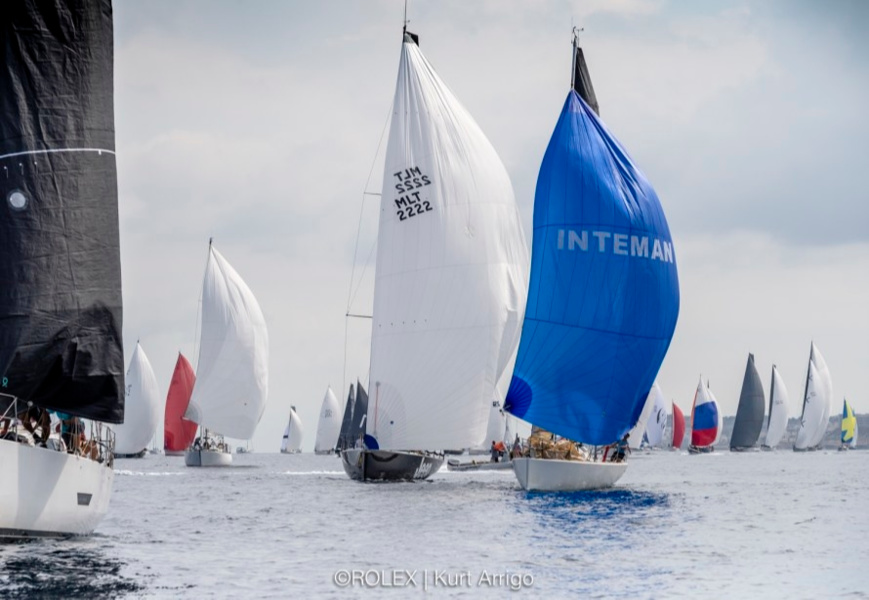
[[231, 387], [329, 424], [778, 410], [451, 274], [813, 410], [827, 387], [143, 407], [657, 420], [635, 435], [292, 440], [718, 408]]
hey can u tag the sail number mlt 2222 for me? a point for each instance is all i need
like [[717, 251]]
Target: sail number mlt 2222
[[409, 204]]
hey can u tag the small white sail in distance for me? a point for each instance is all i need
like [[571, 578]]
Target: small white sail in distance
[[143, 407], [329, 423]]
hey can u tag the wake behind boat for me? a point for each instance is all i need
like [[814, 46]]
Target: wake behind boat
[[60, 268], [602, 302]]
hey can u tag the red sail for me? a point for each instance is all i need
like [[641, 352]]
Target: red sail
[[678, 426], [178, 432]]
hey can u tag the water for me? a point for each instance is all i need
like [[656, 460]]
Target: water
[[771, 525]]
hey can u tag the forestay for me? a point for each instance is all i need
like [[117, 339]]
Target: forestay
[[232, 373], [451, 277]]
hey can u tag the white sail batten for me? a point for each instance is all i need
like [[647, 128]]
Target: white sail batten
[[451, 272], [329, 424], [778, 415], [142, 407], [231, 387]]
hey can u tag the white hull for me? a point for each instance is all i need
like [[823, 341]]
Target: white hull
[[207, 458], [174, 452], [298, 452], [49, 493], [552, 475]]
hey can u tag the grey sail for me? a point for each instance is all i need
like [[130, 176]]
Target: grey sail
[[582, 81], [360, 412], [345, 437], [749, 413]]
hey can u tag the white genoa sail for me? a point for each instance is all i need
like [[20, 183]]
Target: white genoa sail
[[813, 410], [827, 402], [451, 271], [143, 406], [329, 424], [292, 440], [778, 410], [635, 435], [231, 387], [657, 421]]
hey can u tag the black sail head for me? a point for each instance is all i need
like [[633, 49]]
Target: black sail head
[[582, 80], [60, 273]]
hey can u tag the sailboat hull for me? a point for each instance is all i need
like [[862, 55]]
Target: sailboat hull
[[552, 475], [389, 465], [207, 458], [46, 493], [139, 454], [483, 465]]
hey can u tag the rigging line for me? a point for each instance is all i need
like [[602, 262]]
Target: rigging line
[[350, 294], [362, 208], [362, 275]]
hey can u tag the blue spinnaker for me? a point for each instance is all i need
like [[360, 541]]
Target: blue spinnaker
[[603, 297]]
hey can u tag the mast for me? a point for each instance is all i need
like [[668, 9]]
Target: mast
[[580, 79]]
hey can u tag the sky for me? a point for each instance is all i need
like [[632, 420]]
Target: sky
[[261, 124]]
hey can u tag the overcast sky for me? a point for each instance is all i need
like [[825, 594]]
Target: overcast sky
[[260, 124]]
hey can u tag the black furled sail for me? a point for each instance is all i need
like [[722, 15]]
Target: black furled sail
[[60, 267], [582, 80]]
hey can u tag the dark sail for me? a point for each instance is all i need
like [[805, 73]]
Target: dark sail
[[60, 271], [345, 437], [582, 81], [360, 411], [749, 413]]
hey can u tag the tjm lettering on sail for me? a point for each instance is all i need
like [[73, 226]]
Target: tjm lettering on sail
[[409, 204], [616, 243]]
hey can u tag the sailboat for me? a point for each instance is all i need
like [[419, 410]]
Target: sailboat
[[637, 434], [291, 443], [678, 427], [777, 422], [497, 432], [353, 421], [817, 400], [142, 408], [178, 432], [329, 425], [231, 388], [749, 412], [705, 420], [450, 282], [603, 297], [849, 427], [657, 421], [60, 300]]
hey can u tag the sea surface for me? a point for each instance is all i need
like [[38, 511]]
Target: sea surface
[[725, 525]]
